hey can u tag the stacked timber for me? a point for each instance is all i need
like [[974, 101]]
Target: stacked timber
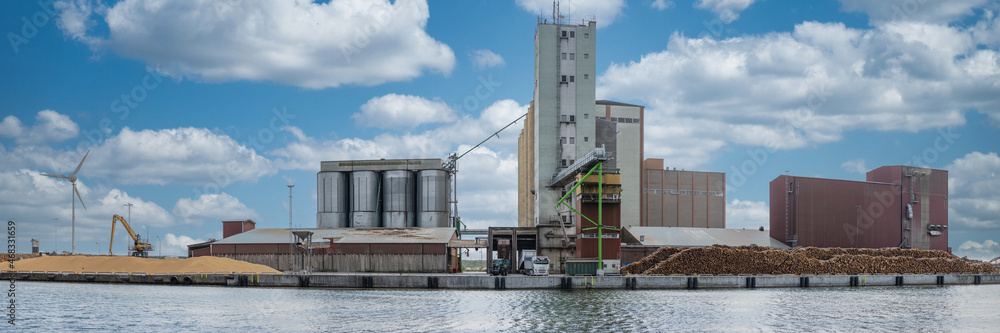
[[651, 260], [720, 259]]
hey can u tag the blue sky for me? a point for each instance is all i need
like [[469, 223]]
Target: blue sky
[[201, 111]]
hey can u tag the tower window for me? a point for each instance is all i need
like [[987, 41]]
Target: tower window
[[586, 35], [562, 140], [586, 76], [564, 56], [564, 33], [572, 118], [564, 162], [585, 139], [572, 56], [563, 118], [564, 78], [586, 55], [572, 140], [572, 78], [572, 34], [586, 116]]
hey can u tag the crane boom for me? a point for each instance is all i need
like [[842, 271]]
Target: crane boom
[[452, 159], [139, 248]]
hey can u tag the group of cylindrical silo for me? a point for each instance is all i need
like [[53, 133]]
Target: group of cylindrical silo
[[389, 199]]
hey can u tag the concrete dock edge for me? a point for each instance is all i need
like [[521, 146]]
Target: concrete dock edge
[[512, 282]]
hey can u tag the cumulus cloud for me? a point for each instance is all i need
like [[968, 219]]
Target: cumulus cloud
[[806, 87], [300, 43], [743, 214], [855, 166], [403, 111], [306, 151], [215, 207], [176, 245], [186, 155], [987, 250], [486, 59], [662, 4], [728, 10], [914, 10], [605, 11], [196, 156], [50, 126], [974, 191]]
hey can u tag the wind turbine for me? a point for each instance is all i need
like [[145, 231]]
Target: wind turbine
[[72, 180]]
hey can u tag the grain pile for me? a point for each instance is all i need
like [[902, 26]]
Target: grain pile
[[100, 264], [720, 259], [19, 256]]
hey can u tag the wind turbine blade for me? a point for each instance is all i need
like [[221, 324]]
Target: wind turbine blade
[[78, 196], [81, 162], [55, 176]]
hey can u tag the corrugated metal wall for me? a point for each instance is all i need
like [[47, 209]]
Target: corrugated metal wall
[[373, 263], [778, 203], [837, 213], [587, 248]]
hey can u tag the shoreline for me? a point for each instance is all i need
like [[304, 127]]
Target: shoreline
[[474, 281]]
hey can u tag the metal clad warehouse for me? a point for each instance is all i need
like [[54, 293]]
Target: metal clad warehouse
[[345, 249]]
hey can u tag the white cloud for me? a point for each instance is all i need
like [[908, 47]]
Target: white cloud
[[855, 166], [300, 43], [605, 11], [974, 191], [179, 155], [742, 214], [403, 111], [176, 245], [306, 152], [212, 207], [486, 59], [987, 250], [914, 10], [195, 156], [50, 126], [75, 18], [662, 4], [728, 10], [807, 87]]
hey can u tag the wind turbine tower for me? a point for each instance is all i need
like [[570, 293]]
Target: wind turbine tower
[[72, 180]]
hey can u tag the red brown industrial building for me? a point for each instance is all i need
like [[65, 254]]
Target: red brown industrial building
[[679, 198], [585, 200], [898, 206]]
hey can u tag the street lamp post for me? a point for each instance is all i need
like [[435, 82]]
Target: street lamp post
[[129, 205], [291, 248], [158, 248], [55, 235]]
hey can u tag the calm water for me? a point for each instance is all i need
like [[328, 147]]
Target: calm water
[[61, 306]]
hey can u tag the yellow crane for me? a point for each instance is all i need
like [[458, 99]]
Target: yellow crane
[[139, 248]]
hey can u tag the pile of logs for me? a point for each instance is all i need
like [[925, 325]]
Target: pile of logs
[[648, 262], [721, 259]]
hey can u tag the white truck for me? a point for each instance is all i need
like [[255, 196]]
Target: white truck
[[532, 264]]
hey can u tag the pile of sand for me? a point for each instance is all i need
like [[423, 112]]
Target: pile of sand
[[101, 264]]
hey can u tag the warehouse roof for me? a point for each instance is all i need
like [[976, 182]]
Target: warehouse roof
[[346, 235], [669, 236], [381, 165], [607, 102]]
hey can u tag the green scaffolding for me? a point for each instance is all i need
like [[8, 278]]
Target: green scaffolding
[[599, 167]]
